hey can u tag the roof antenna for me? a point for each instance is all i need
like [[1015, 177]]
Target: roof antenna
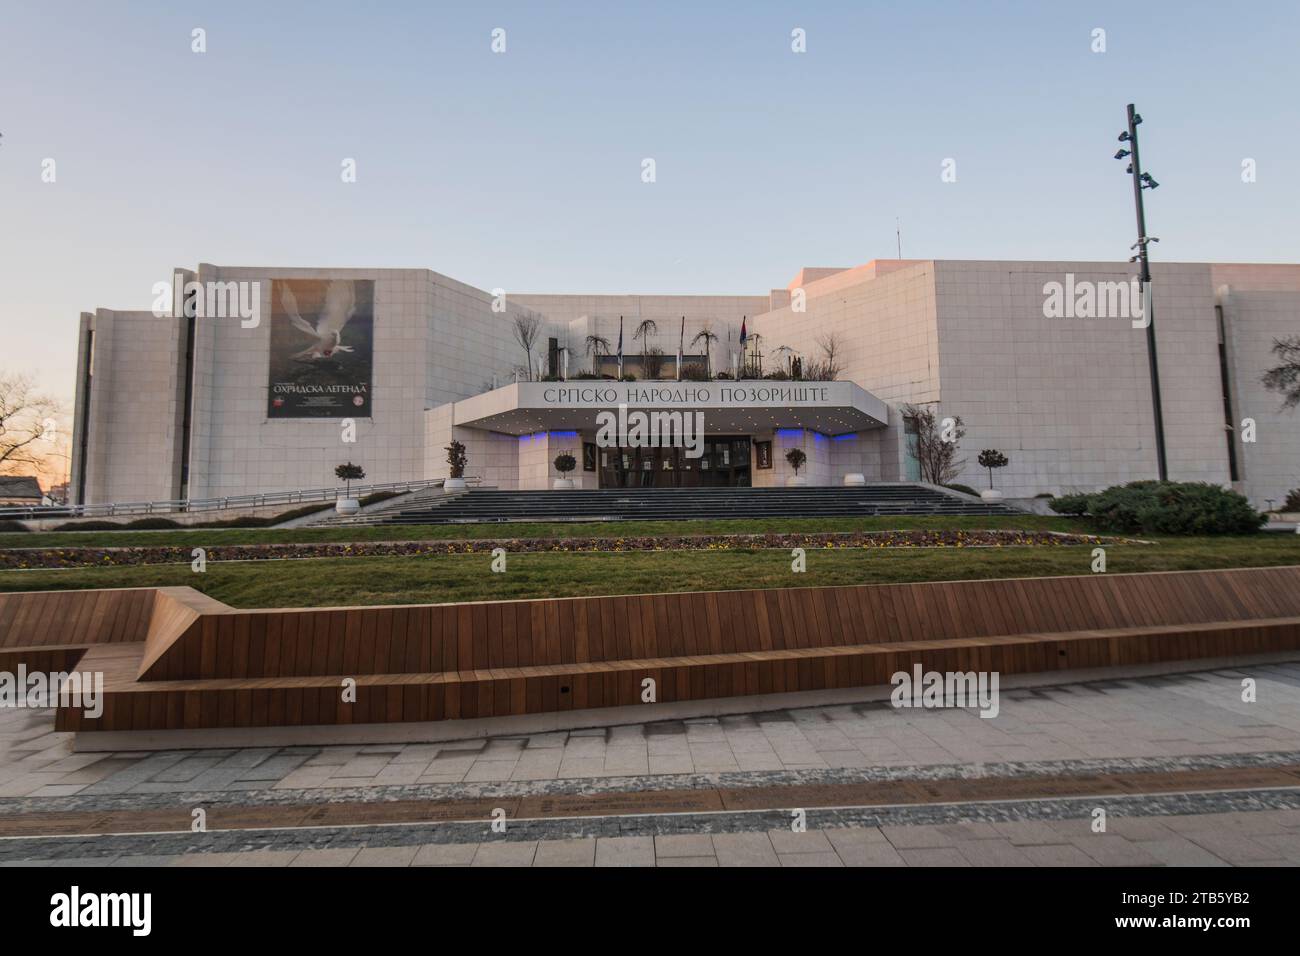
[[898, 231]]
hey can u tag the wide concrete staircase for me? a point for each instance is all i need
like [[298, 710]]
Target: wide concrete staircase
[[672, 504]]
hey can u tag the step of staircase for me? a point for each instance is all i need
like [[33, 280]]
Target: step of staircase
[[671, 504]]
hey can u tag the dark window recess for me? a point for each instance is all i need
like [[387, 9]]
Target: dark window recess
[[85, 415], [553, 356], [187, 407], [1225, 383]]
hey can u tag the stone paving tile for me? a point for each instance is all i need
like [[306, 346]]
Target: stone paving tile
[[934, 856], [445, 854], [1056, 854], [205, 859], [566, 853], [505, 853], [398, 773], [810, 841], [329, 856], [491, 770], [142, 861], [997, 852], [687, 861], [1176, 851], [58, 790], [744, 849], [265, 858], [385, 856], [1236, 848], [916, 837], [683, 845], [661, 764], [810, 859], [625, 851], [1110, 850], [867, 853]]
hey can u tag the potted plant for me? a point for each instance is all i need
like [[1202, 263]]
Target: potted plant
[[564, 463], [991, 458], [456, 463], [347, 505], [796, 458]]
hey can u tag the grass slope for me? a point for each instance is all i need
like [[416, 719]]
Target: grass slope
[[528, 529], [433, 579]]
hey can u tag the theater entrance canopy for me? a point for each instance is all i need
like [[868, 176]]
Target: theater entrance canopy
[[744, 407]]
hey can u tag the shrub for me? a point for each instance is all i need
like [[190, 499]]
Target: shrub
[[152, 524], [12, 526], [349, 473], [991, 458], [1165, 507], [247, 521], [301, 512], [1076, 504], [89, 526], [456, 459], [964, 489], [1292, 502], [565, 463], [796, 458]]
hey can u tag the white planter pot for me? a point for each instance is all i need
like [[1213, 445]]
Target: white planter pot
[[796, 481], [855, 478], [347, 506], [563, 484], [454, 484], [991, 494]]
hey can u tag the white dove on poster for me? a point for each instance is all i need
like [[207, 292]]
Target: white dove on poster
[[340, 304]]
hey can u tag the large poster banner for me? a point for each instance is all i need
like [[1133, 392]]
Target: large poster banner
[[322, 348]]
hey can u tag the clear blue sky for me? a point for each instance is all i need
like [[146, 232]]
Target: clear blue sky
[[522, 170]]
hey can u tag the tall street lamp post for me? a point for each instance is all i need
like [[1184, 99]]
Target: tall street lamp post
[[1143, 181]]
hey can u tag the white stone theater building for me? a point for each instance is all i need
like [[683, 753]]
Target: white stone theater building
[[403, 361]]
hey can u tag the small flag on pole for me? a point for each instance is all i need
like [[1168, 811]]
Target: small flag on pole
[[620, 348], [680, 344]]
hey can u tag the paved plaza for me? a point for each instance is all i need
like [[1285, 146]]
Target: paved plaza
[[1186, 724]]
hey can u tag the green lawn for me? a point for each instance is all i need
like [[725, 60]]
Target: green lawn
[[437, 578], [560, 529]]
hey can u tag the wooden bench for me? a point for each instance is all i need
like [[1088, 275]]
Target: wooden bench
[[196, 663]]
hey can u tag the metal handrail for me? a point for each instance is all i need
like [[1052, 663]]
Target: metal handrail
[[299, 496]]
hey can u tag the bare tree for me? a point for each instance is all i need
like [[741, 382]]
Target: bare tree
[[644, 329], [29, 433], [652, 363], [830, 346], [597, 345], [707, 336], [936, 444], [525, 332], [783, 355], [1285, 378]]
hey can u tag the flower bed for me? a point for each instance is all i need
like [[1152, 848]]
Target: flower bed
[[30, 558]]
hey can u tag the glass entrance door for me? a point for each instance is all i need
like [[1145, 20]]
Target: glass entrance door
[[724, 463]]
